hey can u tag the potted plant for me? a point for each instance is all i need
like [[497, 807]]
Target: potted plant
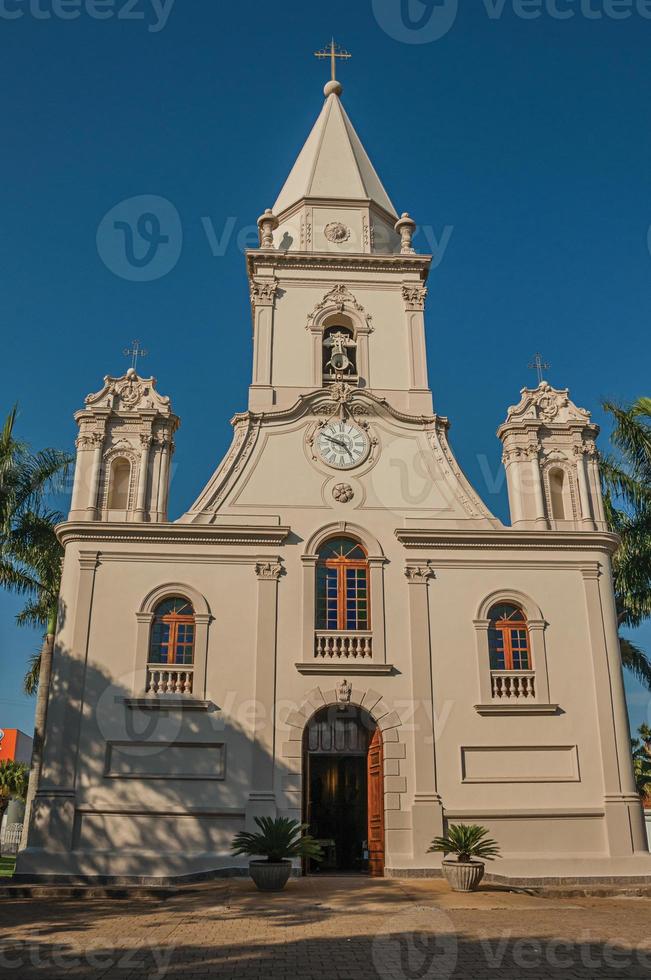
[[278, 841], [467, 841]]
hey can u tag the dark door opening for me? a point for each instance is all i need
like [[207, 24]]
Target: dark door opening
[[338, 811], [344, 791]]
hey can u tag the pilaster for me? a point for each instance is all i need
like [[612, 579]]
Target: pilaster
[[427, 809], [263, 293], [262, 799], [624, 819], [53, 811]]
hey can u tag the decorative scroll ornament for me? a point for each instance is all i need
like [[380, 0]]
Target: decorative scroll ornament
[[268, 570], [337, 232], [338, 299]]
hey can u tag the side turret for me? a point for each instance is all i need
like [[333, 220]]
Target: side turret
[[551, 463], [124, 449]]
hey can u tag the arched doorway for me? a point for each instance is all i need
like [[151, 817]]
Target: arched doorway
[[344, 790]]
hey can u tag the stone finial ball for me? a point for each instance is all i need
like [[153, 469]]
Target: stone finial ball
[[333, 88]]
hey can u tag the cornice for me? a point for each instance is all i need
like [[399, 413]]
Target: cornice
[[336, 262], [179, 534], [305, 403], [509, 539], [336, 202]]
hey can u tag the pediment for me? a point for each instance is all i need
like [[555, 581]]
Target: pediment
[[412, 470]]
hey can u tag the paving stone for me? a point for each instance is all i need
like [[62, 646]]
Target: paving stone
[[327, 929]]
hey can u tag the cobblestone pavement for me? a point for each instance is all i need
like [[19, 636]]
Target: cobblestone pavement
[[328, 929]]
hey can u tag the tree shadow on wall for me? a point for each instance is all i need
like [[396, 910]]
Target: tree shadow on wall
[[153, 788]]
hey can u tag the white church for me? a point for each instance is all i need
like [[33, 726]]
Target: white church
[[311, 638]]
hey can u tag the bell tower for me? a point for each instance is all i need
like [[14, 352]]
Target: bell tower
[[337, 289], [124, 449]]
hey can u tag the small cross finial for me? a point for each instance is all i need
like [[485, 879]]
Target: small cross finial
[[539, 365], [333, 51], [134, 352]]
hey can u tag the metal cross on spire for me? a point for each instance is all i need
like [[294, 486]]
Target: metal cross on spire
[[539, 365], [134, 352], [333, 51]]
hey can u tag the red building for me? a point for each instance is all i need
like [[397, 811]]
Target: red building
[[15, 745]]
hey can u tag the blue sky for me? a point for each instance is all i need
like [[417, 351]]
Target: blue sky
[[520, 143]]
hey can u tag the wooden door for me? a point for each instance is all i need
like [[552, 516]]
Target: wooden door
[[375, 766]]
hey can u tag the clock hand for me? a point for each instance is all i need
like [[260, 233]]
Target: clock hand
[[337, 442]]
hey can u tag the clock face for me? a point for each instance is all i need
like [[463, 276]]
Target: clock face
[[342, 444]]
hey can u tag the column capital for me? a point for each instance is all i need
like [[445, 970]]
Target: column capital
[[88, 560], [419, 574], [263, 292], [268, 570], [414, 297]]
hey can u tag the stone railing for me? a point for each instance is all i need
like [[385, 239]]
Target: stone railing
[[513, 685], [162, 679], [343, 645]]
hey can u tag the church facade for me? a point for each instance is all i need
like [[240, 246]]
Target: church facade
[[337, 630]]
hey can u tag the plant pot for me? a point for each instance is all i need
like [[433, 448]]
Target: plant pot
[[270, 876], [463, 876]]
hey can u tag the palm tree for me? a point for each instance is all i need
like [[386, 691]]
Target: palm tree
[[626, 478], [641, 747], [30, 558]]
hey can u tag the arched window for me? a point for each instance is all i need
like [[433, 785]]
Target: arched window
[[557, 494], [172, 632], [339, 352], [508, 638], [120, 478], [342, 586]]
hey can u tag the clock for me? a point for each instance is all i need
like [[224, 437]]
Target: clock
[[342, 444]]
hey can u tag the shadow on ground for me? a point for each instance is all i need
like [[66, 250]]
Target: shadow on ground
[[327, 930]]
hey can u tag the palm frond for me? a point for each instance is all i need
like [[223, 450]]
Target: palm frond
[[30, 680], [636, 661], [621, 484], [632, 436]]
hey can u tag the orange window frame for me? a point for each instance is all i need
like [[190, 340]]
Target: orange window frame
[[506, 628], [174, 621], [342, 564]]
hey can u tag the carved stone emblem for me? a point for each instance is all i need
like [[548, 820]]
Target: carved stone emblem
[[344, 692], [343, 493], [130, 391], [548, 407], [337, 232]]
